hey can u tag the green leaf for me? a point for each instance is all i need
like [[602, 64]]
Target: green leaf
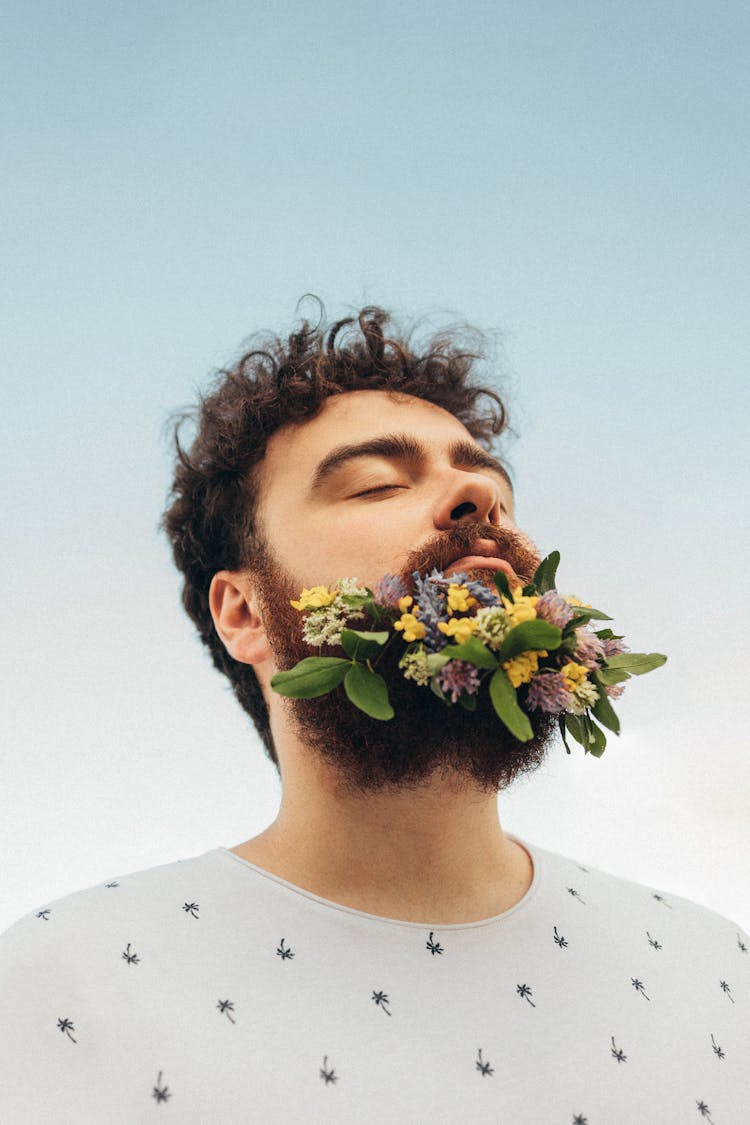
[[603, 709], [544, 579], [596, 739], [315, 675], [574, 727], [613, 675], [436, 689], [607, 635], [636, 663], [436, 661], [367, 690], [473, 651], [582, 615], [362, 646], [468, 702], [561, 724], [535, 634], [505, 702], [501, 581]]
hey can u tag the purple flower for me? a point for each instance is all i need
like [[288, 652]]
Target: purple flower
[[614, 647], [547, 692], [614, 691], [431, 601], [589, 648], [553, 608], [483, 594], [389, 589], [458, 676]]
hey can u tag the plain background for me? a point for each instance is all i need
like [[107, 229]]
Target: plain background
[[571, 177]]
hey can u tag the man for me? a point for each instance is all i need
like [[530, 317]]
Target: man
[[383, 951]]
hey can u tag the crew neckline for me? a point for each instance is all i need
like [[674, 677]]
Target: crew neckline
[[298, 891]]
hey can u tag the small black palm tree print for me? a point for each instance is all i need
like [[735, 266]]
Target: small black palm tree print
[[326, 1074], [741, 944], [579, 1119], [160, 1095], [433, 946], [652, 941], [283, 952], [226, 1006], [525, 992], [661, 899], [725, 988], [113, 884], [716, 1049], [67, 1027], [483, 1067], [703, 1110], [572, 891], [381, 998], [638, 986], [560, 940], [617, 1053], [131, 958], [44, 914], [189, 907]]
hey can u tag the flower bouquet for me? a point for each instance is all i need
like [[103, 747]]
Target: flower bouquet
[[535, 649]]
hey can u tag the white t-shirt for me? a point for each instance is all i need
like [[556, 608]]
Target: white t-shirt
[[209, 992]]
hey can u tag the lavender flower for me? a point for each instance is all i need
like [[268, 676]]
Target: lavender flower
[[431, 601], [589, 648], [548, 692], [553, 608], [483, 594], [458, 676], [389, 589]]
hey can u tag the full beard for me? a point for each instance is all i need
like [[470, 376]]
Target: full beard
[[426, 738]]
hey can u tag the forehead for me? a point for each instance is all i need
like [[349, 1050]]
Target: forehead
[[296, 450]]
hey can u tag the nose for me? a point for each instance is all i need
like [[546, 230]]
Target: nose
[[467, 497]]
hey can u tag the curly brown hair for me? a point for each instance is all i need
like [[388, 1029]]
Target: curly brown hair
[[209, 519]]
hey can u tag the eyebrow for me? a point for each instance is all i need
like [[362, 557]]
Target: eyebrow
[[405, 447]]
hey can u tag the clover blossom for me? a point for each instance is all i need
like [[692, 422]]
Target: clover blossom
[[458, 676], [589, 648], [552, 607], [548, 692], [614, 646], [614, 691], [389, 589]]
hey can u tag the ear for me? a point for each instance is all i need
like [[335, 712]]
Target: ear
[[234, 608]]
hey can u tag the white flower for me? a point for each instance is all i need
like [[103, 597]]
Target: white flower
[[492, 626]]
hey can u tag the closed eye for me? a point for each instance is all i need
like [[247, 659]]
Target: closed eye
[[376, 489]]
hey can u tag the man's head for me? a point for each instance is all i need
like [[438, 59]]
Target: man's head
[[337, 456]]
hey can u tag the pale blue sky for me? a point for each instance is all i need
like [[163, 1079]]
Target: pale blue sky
[[572, 177]]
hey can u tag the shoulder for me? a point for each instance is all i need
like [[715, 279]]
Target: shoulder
[[57, 933], [623, 902]]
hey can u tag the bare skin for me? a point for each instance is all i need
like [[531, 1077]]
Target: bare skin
[[434, 854]]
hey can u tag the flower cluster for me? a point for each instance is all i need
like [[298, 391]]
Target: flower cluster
[[534, 648]]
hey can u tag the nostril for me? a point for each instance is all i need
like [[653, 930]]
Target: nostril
[[463, 510]]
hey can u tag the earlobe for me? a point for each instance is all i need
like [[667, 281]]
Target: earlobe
[[236, 614]]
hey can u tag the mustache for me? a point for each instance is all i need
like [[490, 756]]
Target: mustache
[[444, 548]]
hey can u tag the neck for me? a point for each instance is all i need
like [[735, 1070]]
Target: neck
[[436, 853]]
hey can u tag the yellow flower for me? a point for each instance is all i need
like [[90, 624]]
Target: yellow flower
[[522, 667], [571, 600], [574, 675], [404, 603], [460, 628], [459, 599], [412, 629], [315, 597], [521, 608]]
